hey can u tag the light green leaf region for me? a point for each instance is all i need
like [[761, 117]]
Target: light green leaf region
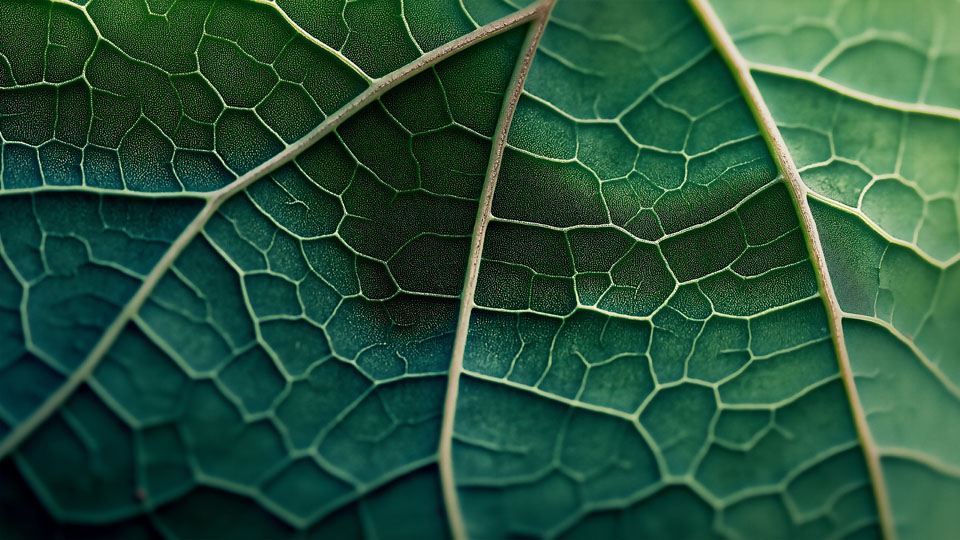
[[195, 346], [871, 114]]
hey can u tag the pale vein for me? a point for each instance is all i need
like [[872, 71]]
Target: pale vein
[[740, 69]]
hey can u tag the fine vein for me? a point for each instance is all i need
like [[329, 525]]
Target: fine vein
[[741, 72], [445, 450], [216, 198]]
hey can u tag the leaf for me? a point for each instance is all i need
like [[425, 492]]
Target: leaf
[[869, 110], [374, 269]]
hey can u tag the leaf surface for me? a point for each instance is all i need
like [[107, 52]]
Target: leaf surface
[[372, 268], [627, 362]]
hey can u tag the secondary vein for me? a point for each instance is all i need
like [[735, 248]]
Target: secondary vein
[[740, 69], [445, 450], [846, 91], [216, 198]]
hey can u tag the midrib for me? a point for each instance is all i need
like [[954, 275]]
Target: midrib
[[538, 12], [445, 447], [740, 70]]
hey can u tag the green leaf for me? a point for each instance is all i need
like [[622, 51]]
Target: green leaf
[[422, 269]]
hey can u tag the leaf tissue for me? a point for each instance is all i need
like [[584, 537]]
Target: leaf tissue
[[479, 269]]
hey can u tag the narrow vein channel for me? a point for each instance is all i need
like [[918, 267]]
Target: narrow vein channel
[[445, 450], [740, 69], [216, 198]]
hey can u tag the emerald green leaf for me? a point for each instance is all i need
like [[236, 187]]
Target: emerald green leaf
[[478, 269]]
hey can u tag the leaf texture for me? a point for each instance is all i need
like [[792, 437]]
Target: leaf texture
[[417, 269]]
